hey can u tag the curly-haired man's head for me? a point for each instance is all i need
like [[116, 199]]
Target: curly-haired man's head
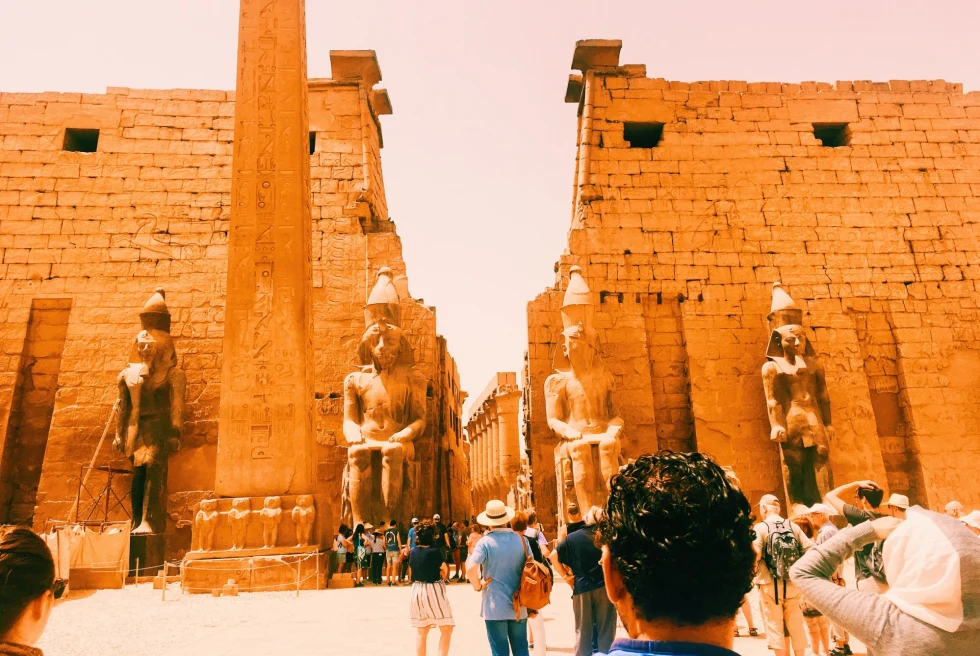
[[425, 533], [677, 542]]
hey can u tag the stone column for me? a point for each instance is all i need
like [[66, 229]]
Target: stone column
[[266, 442], [508, 428], [498, 479]]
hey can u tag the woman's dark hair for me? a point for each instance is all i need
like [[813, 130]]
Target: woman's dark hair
[[359, 530], [520, 522], [425, 533], [344, 530], [26, 572], [680, 534], [805, 525]]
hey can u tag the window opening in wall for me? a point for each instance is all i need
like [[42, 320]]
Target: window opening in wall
[[312, 142], [643, 135], [81, 140], [832, 135]]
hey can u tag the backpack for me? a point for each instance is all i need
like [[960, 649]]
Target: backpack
[[391, 541], [876, 562], [782, 550], [534, 591]]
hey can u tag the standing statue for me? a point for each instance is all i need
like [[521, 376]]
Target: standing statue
[[798, 402], [205, 523], [269, 517], [580, 408], [151, 414], [303, 515], [384, 408], [238, 519]]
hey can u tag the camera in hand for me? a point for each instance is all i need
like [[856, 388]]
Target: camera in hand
[[873, 495]]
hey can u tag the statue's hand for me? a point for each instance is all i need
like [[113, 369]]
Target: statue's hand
[[354, 438], [572, 434], [614, 430], [118, 444], [404, 435], [778, 434]]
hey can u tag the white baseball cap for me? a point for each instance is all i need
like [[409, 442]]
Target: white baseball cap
[[822, 509], [415, 520], [436, 517]]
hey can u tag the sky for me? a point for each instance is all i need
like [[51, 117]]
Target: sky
[[479, 155]]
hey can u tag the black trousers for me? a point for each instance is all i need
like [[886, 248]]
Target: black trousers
[[377, 566]]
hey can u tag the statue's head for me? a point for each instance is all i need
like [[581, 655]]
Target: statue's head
[[273, 502], [580, 346], [383, 343], [241, 503], [788, 336], [209, 505], [579, 341], [304, 500], [155, 349], [792, 340]]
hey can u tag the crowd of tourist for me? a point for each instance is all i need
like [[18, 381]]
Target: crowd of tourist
[[672, 556]]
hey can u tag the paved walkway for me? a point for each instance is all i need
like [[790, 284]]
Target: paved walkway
[[363, 622]]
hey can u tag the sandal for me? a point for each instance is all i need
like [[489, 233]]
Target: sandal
[[736, 631], [754, 633]]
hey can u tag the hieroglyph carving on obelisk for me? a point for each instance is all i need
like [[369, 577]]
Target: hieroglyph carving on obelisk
[[266, 442]]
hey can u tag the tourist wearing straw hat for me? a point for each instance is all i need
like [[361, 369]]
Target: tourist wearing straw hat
[[494, 567]]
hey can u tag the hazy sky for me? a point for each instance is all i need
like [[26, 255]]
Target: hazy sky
[[478, 159]]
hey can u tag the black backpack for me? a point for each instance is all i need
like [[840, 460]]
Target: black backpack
[[781, 552]]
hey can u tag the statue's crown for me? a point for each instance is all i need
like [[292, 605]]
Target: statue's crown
[[383, 302], [155, 314], [784, 311], [577, 306]]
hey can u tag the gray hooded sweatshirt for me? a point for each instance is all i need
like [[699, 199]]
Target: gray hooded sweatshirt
[[876, 621]]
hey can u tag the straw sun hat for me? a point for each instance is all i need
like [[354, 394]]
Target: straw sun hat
[[496, 514]]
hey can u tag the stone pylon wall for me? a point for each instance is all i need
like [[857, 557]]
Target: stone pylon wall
[[150, 208], [875, 237]]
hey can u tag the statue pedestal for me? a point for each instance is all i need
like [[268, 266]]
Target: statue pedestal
[[269, 572], [148, 549], [252, 566]]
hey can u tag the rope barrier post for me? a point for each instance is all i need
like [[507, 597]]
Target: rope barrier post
[[137, 571], [163, 597], [316, 586], [299, 568]]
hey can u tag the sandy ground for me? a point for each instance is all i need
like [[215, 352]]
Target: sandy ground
[[366, 622]]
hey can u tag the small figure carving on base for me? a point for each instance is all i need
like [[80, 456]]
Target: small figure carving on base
[[303, 516], [205, 523], [238, 518], [270, 516]]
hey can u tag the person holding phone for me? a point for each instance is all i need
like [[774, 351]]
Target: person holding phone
[[868, 571]]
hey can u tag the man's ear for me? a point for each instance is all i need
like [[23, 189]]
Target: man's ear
[[615, 588]]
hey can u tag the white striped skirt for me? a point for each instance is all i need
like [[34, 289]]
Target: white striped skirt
[[430, 605]]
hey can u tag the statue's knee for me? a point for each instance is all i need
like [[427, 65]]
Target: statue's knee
[[393, 451], [609, 445], [359, 457]]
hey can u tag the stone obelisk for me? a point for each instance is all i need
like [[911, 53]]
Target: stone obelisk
[[266, 443]]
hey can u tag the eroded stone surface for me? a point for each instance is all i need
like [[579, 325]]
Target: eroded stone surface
[[682, 242]]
